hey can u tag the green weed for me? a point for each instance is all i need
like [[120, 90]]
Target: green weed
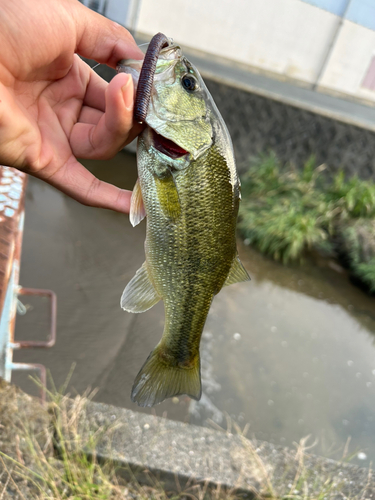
[[355, 196], [286, 213]]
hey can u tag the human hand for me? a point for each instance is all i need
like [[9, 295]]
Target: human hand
[[53, 106]]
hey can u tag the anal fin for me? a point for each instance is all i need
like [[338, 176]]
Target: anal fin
[[237, 273], [139, 294]]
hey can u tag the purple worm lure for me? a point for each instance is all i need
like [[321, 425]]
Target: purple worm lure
[[146, 76]]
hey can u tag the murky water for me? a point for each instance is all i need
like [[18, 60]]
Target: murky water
[[291, 353]]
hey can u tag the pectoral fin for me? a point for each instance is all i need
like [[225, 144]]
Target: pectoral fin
[[137, 209], [139, 294], [237, 273], [168, 197]]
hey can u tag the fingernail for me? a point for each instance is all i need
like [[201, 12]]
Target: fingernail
[[127, 94]]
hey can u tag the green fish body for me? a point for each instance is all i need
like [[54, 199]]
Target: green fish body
[[189, 190]]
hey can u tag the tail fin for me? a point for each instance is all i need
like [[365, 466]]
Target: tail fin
[[159, 380]]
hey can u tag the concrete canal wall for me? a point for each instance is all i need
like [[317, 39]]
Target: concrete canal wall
[[258, 124]]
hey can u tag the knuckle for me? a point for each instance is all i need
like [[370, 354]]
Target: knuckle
[[91, 194]]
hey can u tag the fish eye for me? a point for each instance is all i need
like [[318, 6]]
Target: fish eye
[[189, 82]]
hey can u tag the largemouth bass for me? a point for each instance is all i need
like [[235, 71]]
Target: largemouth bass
[[189, 190]]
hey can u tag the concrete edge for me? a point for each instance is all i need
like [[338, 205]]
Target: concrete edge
[[176, 453], [156, 450], [297, 102]]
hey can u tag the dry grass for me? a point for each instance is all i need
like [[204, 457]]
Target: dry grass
[[298, 474], [63, 465]]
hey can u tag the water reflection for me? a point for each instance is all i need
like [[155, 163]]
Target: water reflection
[[291, 353]]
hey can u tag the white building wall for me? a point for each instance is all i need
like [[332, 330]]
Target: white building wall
[[289, 39], [286, 37], [349, 61]]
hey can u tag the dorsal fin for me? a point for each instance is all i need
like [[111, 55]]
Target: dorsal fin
[[237, 273], [139, 294], [137, 208]]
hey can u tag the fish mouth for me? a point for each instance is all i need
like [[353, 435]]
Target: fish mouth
[[167, 147]]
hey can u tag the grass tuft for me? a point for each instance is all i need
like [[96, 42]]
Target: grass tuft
[[285, 213], [65, 466], [355, 196]]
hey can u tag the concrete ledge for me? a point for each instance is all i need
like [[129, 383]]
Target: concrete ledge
[[177, 453]]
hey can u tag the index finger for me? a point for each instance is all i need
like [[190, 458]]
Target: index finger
[[77, 182], [101, 39]]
